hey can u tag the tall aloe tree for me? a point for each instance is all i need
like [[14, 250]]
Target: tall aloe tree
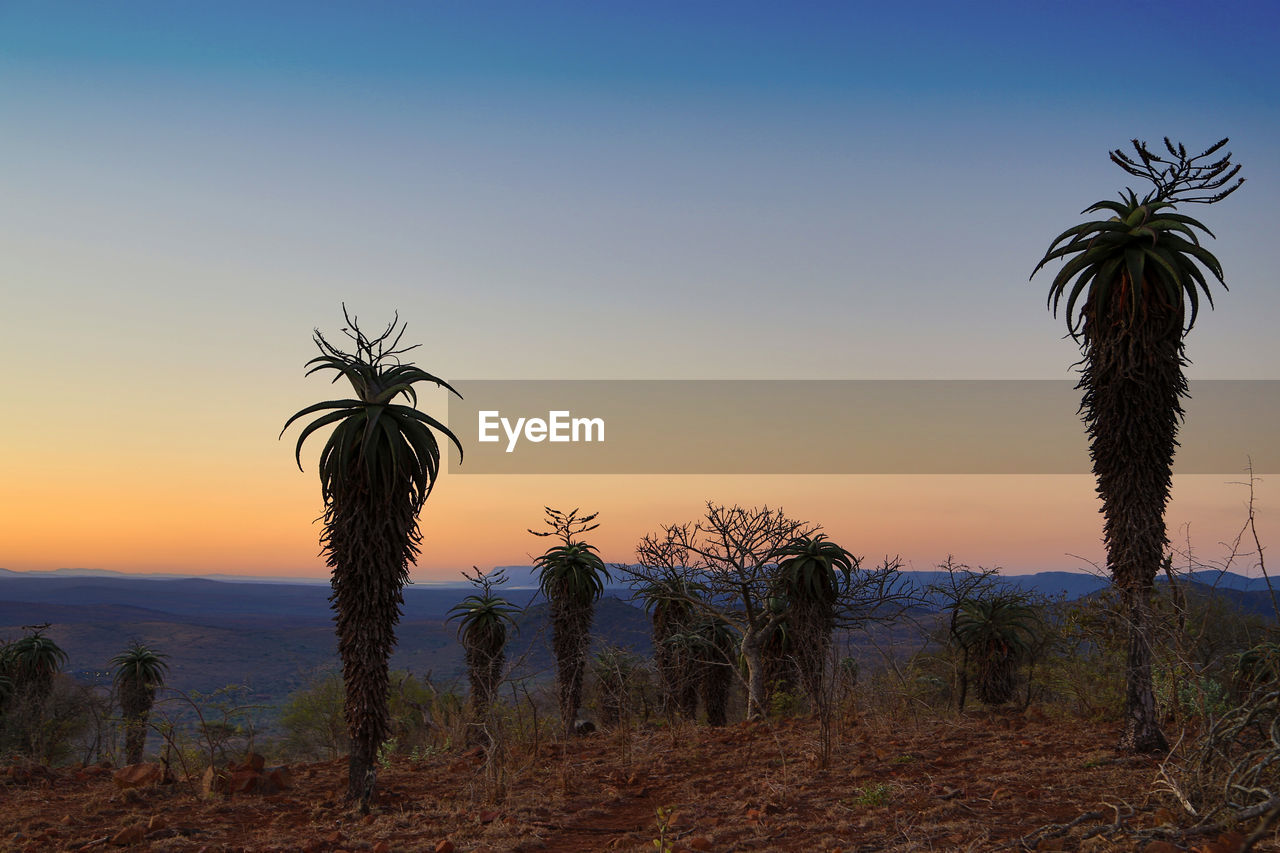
[[484, 619], [139, 672], [572, 577], [1140, 275], [670, 602], [376, 471], [808, 578]]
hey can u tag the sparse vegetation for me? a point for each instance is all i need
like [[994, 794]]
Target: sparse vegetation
[[43, 713], [620, 679], [424, 718], [871, 796], [726, 567], [906, 756], [312, 720]]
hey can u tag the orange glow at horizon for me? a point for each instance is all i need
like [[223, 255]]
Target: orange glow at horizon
[[255, 514]]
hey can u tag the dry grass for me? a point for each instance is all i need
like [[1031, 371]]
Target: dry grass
[[938, 782]]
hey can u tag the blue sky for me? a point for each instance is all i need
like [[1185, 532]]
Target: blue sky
[[548, 190], [1039, 50]]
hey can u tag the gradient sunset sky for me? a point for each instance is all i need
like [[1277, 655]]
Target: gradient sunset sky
[[577, 190]]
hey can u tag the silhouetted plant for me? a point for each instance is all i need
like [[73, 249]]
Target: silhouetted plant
[[42, 713], [1258, 667], [139, 672], [376, 471], [808, 576], [732, 552], [778, 659], [669, 600], [572, 577], [1140, 275], [32, 662], [8, 674], [485, 618], [957, 584], [997, 631], [715, 653]]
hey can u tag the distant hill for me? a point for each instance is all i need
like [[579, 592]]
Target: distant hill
[[1250, 593], [1230, 580], [1252, 601], [218, 599], [527, 577], [276, 637], [1071, 585], [111, 573], [1247, 595]]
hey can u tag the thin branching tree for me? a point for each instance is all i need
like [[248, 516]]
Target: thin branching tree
[[733, 553], [956, 584]]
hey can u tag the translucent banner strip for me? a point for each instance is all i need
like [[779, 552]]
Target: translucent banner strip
[[829, 427]]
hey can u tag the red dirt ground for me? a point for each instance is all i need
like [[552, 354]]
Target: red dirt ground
[[969, 783]]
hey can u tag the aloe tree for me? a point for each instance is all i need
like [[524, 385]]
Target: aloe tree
[[715, 657], [996, 632], [139, 672], [32, 662], [732, 552], [1140, 275], [572, 578], [1257, 666], [484, 619], [778, 657], [376, 472], [669, 600], [808, 577]]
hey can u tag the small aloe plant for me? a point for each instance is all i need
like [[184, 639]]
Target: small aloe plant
[[484, 620], [662, 843]]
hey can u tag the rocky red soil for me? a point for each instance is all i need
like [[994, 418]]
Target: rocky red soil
[[977, 782]]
